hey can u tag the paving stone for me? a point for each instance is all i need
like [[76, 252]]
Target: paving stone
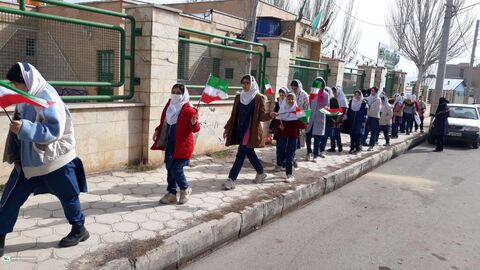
[[182, 215], [120, 190], [70, 252], [152, 226], [18, 244], [108, 218], [135, 217], [37, 232], [36, 255], [212, 200], [175, 224], [98, 228], [52, 264], [93, 212], [58, 213], [18, 265], [114, 237], [118, 210], [160, 216], [112, 197], [25, 223], [37, 213], [133, 179], [102, 205], [125, 226], [143, 234], [52, 206], [142, 190]]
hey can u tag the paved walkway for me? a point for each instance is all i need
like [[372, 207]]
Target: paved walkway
[[123, 206]]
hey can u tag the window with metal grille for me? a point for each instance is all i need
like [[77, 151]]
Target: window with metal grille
[[216, 67], [30, 46], [228, 73], [254, 73], [182, 60]]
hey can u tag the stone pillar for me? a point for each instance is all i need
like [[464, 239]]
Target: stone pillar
[[337, 69], [380, 74], [369, 76], [156, 57], [399, 81], [276, 70], [316, 51]]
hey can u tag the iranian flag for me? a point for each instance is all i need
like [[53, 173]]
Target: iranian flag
[[268, 87], [302, 115], [315, 89], [215, 89], [332, 112], [10, 96]]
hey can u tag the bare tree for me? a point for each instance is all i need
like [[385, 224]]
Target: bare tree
[[415, 26], [349, 34], [326, 8]]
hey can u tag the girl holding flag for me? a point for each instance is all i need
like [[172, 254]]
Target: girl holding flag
[[174, 135], [288, 127], [319, 99], [357, 118], [282, 95], [244, 128], [41, 145]]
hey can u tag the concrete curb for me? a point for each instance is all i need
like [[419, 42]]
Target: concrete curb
[[186, 245]]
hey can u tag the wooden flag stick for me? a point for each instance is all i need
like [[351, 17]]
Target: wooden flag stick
[[8, 115]]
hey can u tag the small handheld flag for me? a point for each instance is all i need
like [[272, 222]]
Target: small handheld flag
[[216, 89], [315, 89], [268, 87]]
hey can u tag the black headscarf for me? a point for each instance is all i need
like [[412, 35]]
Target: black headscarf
[[442, 105]]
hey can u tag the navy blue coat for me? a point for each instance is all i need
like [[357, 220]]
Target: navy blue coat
[[355, 119], [440, 123]]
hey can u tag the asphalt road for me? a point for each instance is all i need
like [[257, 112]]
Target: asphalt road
[[418, 211]]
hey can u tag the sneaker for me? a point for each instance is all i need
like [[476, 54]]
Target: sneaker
[[259, 178], [184, 195], [290, 179], [340, 150], [75, 236], [295, 164], [308, 157], [315, 160], [229, 184], [2, 244], [169, 198], [322, 155], [387, 144], [278, 168], [370, 148], [331, 150]]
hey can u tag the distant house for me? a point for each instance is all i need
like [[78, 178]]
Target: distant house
[[453, 89]]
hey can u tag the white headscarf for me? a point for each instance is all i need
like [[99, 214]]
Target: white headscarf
[[286, 91], [342, 99], [414, 97], [33, 79], [247, 97], [373, 98], [398, 99], [329, 91], [385, 102], [287, 112], [357, 104], [174, 108]]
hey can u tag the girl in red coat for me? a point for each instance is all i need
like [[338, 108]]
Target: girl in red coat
[[174, 135]]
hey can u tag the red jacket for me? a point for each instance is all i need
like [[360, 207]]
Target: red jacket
[[291, 128], [184, 142]]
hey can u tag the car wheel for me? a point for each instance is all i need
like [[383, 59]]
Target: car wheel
[[475, 145]]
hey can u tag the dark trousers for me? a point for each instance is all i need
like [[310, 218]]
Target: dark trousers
[[421, 124], [336, 139], [61, 183], [439, 142], [385, 133], [396, 125], [355, 140], [409, 119], [175, 176], [373, 127], [403, 124], [316, 143], [243, 152], [287, 147]]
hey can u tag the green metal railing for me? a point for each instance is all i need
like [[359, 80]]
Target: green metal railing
[[389, 83], [353, 79], [262, 53], [307, 70], [123, 56]]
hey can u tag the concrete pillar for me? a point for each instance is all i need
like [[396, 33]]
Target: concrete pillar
[[337, 70], [276, 70], [380, 74], [369, 76], [399, 81], [316, 51], [156, 57]]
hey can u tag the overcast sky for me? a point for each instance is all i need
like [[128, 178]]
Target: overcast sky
[[374, 11]]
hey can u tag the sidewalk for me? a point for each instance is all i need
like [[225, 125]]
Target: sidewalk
[[126, 222]]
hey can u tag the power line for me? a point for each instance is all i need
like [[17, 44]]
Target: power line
[[461, 35], [478, 3]]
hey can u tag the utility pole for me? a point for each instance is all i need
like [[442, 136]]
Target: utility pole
[[443, 57], [251, 36], [470, 68]]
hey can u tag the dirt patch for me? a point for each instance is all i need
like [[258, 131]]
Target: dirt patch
[[221, 154], [131, 250], [133, 168]]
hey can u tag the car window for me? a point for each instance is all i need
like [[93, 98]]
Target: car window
[[463, 112]]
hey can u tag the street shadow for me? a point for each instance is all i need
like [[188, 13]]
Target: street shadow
[[30, 246]]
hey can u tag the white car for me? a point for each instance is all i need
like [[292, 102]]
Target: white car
[[463, 124]]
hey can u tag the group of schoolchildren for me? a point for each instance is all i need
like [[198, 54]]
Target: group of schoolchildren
[[331, 114]]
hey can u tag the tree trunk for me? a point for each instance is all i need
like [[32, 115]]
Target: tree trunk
[[418, 84]]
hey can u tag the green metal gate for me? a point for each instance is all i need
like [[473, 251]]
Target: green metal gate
[[201, 54], [353, 79], [389, 82], [306, 71], [69, 52]]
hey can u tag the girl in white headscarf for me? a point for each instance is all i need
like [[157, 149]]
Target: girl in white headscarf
[[397, 120], [386, 115], [288, 127], [174, 135], [356, 121], [282, 96], [244, 128]]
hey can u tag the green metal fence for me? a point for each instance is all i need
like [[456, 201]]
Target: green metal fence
[[72, 53], [353, 79], [201, 54], [307, 70], [389, 83]]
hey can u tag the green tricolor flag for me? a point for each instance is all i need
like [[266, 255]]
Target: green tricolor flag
[[215, 89]]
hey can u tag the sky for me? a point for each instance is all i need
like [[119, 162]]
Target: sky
[[374, 11]]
